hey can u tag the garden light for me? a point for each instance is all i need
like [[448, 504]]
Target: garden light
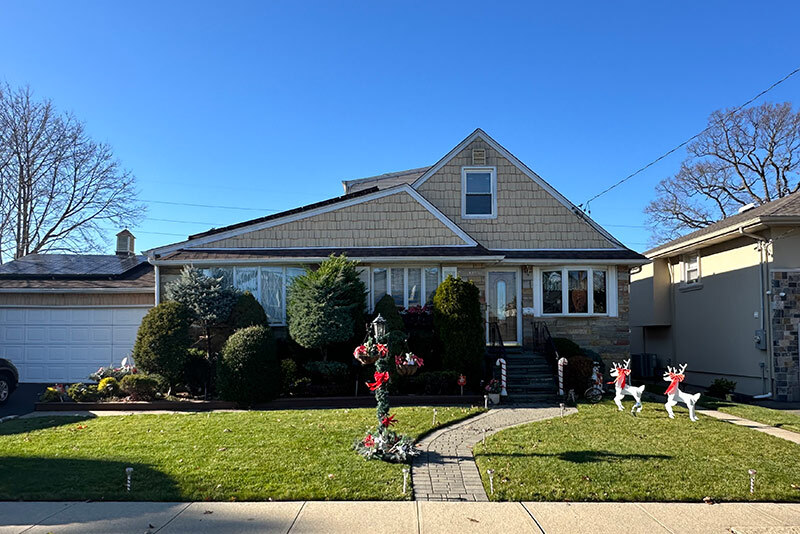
[[490, 472], [752, 473], [128, 473], [379, 327], [405, 479]]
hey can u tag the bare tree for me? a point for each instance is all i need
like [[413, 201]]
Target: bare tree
[[743, 157], [60, 191]]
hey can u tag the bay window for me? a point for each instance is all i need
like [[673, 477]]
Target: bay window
[[408, 286], [575, 291]]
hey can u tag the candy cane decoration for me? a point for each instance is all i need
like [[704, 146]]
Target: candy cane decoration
[[502, 363], [561, 363]]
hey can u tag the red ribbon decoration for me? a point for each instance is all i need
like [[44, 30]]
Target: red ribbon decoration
[[388, 421], [676, 379], [380, 379], [621, 377], [369, 441], [383, 350]]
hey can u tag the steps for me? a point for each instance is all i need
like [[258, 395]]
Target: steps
[[529, 377]]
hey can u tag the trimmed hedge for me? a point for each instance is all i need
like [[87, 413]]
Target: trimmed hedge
[[248, 370], [459, 324], [388, 310], [163, 341], [247, 312], [140, 387]]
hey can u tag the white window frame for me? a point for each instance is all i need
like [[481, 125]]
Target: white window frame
[[685, 260], [611, 290], [391, 290], [493, 175]]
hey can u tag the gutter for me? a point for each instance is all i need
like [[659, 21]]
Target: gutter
[[763, 244]]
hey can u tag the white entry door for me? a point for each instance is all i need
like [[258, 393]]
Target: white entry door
[[62, 344], [503, 304]]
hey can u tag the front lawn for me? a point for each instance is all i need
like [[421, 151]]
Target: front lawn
[[279, 455], [600, 454], [767, 416]]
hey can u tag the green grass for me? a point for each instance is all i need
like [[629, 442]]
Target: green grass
[[767, 416], [280, 455], [600, 454]]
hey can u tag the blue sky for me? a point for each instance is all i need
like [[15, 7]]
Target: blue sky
[[268, 105]]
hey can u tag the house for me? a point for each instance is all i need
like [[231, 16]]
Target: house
[[726, 300], [478, 213], [63, 315]]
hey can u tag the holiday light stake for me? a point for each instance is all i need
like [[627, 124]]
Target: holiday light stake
[[128, 473], [484, 436], [490, 472], [752, 473], [405, 479], [434, 417], [561, 405], [486, 402]]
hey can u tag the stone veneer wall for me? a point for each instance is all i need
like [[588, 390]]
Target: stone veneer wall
[[785, 332], [608, 336]]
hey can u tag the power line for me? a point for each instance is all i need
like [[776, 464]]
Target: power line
[[208, 206], [585, 205]]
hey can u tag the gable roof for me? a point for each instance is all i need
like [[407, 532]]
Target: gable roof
[[74, 266], [782, 210], [383, 181], [479, 133], [312, 210]]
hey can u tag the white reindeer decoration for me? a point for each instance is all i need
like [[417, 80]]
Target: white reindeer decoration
[[674, 393], [620, 374]]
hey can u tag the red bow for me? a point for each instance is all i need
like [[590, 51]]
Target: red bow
[[369, 441], [388, 421], [380, 379], [621, 377], [673, 387], [383, 350]]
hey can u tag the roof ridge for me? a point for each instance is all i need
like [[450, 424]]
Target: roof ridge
[[393, 174]]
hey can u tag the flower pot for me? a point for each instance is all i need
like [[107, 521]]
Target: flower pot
[[407, 370], [494, 398], [367, 359]]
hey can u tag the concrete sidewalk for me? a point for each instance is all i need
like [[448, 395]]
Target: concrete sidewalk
[[396, 517]]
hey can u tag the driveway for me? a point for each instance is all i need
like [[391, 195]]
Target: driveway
[[22, 400]]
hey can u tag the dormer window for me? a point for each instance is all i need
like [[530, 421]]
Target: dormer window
[[479, 192]]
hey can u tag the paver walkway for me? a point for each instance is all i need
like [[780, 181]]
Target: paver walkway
[[782, 433], [446, 469]]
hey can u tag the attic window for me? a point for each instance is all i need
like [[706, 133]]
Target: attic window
[[479, 192]]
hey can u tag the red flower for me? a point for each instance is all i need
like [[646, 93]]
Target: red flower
[[383, 350], [418, 360], [361, 350], [388, 420], [399, 360], [380, 379], [369, 441]]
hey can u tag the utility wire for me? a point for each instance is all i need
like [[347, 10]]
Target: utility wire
[[208, 206], [585, 205]]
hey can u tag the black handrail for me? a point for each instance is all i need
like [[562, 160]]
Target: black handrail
[[543, 343]]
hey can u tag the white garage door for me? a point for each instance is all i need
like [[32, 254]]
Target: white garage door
[[67, 344]]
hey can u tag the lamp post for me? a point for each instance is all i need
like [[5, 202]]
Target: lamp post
[[379, 327]]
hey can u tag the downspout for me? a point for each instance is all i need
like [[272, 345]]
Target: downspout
[[158, 285], [762, 248]]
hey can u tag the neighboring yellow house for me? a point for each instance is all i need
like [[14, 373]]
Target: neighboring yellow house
[[726, 300], [478, 213]]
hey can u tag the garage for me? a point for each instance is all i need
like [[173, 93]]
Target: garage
[[64, 315], [66, 344]]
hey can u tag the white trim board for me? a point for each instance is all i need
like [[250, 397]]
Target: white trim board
[[288, 260], [478, 133], [77, 290], [404, 188]]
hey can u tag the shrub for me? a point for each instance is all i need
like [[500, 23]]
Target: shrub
[[247, 312], [289, 376], [248, 369], [109, 387], [577, 373], [140, 387], [435, 382], [197, 371], [721, 388], [327, 305], [162, 342], [83, 393], [566, 347], [113, 372], [53, 394], [323, 373], [387, 308], [459, 325]]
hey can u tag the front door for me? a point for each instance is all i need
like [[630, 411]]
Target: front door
[[502, 304]]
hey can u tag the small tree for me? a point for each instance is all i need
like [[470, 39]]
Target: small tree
[[208, 299], [248, 369], [326, 306], [395, 328], [247, 312], [163, 340], [459, 324]]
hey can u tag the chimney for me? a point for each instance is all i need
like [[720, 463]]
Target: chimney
[[125, 243]]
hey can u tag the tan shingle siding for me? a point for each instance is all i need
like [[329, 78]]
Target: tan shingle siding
[[394, 220], [528, 216]]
